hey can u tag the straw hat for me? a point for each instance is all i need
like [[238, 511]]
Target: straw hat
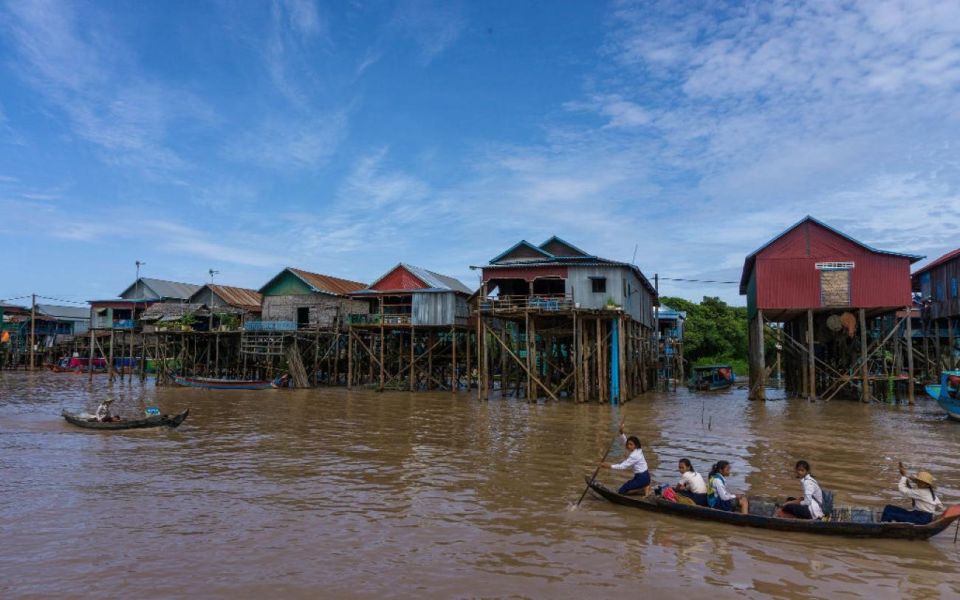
[[924, 477]]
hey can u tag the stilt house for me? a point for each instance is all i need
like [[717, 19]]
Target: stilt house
[[575, 324], [408, 295], [937, 284], [298, 299], [821, 294]]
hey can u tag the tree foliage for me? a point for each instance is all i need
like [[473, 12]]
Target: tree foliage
[[713, 331]]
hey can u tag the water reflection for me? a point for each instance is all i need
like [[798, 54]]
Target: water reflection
[[302, 493]]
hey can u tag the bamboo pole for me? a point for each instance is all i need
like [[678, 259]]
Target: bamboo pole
[[413, 343], [761, 393]]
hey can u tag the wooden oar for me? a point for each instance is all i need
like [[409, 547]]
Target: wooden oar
[[597, 470]]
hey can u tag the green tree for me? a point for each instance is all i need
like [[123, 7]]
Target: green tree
[[713, 331]]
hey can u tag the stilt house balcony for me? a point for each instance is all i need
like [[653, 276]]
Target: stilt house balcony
[[529, 303]]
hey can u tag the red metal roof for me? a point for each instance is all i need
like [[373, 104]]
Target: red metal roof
[[936, 263], [327, 283], [235, 296]]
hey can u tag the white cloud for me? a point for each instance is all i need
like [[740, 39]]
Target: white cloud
[[291, 143], [93, 79], [432, 25]]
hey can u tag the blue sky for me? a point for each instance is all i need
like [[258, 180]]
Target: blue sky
[[343, 137]]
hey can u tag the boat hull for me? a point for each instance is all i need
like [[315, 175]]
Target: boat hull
[[155, 421], [222, 384], [948, 397], [902, 531]]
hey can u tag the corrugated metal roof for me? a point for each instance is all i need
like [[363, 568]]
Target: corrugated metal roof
[[237, 296], [936, 263], [64, 312], [327, 283], [438, 281], [435, 282], [165, 289]]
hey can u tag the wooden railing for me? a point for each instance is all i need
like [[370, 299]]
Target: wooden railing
[[538, 302], [376, 319]]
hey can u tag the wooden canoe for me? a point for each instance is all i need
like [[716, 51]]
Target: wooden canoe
[[902, 531], [210, 383], [154, 421]]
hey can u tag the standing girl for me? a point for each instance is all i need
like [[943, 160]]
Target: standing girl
[[636, 462]]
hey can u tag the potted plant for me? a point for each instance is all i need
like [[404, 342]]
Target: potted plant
[[611, 304], [187, 321]]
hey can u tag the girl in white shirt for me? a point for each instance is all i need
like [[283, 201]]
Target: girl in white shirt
[[691, 483], [635, 462], [717, 495]]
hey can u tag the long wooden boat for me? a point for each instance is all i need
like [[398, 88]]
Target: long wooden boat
[[211, 383], [761, 516], [948, 396], [710, 378], [154, 421]]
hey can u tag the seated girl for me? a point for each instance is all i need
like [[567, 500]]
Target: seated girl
[[717, 495]]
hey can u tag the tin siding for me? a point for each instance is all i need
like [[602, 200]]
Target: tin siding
[[639, 305], [438, 308], [399, 279], [876, 281], [942, 276]]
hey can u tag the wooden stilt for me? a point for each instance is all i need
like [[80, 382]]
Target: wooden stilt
[[865, 367], [910, 390], [761, 392], [454, 380], [811, 365]]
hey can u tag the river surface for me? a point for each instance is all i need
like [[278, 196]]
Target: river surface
[[336, 494]]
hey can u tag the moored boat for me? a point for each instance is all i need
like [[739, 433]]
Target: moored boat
[[849, 522], [711, 378], [211, 383], [948, 394], [90, 422], [933, 390]]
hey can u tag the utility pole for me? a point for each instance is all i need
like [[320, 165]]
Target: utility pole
[[33, 329]]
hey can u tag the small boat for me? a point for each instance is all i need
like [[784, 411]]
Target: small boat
[[151, 421], [211, 383], [933, 390], [849, 522], [710, 378], [948, 393]]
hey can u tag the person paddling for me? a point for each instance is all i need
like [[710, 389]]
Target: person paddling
[[811, 505], [103, 411], [717, 495], [926, 504], [636, 462]]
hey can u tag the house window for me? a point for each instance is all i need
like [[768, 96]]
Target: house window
[[953, 287], [834, 287], [939, 292], [303, 316], [599, 285]]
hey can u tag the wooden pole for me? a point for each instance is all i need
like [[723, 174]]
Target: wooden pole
[[575, 358], [454, 380], [621, 367], [382, 374], [951, 356], [761, 393], [910, 390], [33, 329], [413, 343], [349, 358], [110, 360], [864, 370], [812, 389], [600, 395]]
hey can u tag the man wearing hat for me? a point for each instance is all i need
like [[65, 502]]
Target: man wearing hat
[[926, 504]]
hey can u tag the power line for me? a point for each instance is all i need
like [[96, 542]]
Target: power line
[[699, 280], [62, 300]]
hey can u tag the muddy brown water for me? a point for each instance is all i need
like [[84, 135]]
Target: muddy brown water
[[329, 493]]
